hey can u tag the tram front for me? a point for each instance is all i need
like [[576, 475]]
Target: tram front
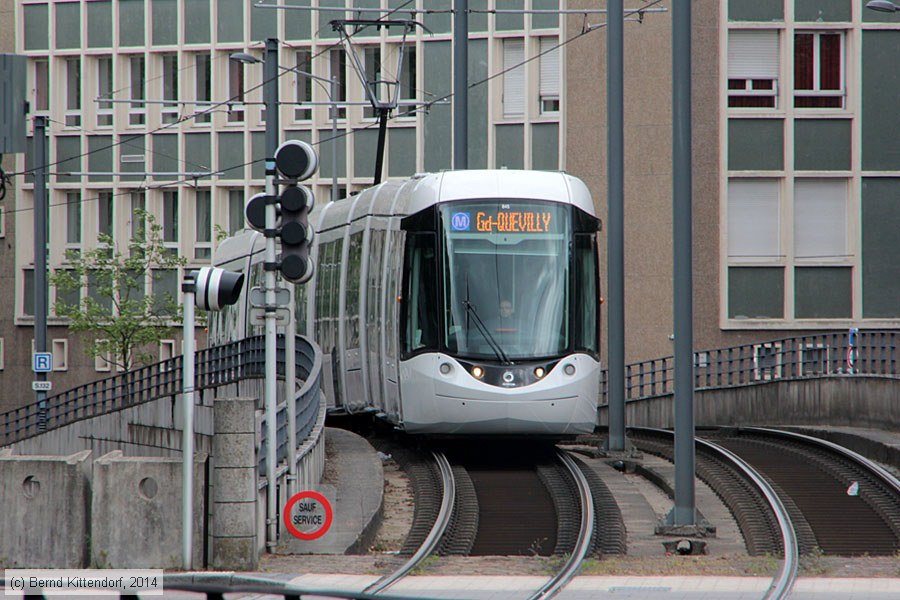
[[501, 318]]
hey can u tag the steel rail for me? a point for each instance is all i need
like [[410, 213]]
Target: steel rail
[[876, 469], [434, 536], [784, 580], [570, 568]]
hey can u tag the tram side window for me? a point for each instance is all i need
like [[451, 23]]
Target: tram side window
[[354, 270], [420, 297], [586, 293]]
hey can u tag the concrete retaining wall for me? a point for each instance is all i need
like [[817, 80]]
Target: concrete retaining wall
[[849, 400], [137, 512], [150, 429], [45, 505]]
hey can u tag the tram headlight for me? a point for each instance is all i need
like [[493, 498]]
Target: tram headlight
[[477, 372], [539, 372], [445, 368], [569, 369]]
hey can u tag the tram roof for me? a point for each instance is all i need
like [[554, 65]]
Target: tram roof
[[448, 186]]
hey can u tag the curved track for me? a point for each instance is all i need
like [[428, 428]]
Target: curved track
[[433, 537], [745, 491], [585, 532], [850, 505]]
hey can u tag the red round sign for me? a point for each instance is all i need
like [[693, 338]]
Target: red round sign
[[306, 503]]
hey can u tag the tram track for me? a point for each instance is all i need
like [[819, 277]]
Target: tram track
[[751, 498], [535, 500], [850, 506]]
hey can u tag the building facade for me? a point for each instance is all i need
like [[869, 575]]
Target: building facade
[[796, 161], [147, 111]]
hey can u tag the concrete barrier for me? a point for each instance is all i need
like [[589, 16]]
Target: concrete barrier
[[45, 514], [137, 512]]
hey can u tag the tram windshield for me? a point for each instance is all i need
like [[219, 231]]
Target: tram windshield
[[506, 278]]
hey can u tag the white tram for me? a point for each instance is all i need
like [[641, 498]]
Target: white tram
[[455, 303]]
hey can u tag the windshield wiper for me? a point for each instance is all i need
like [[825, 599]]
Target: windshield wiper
[[487, 334]]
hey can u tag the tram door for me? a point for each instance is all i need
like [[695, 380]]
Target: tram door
[[394, 262], [374, 256], [355, 394]]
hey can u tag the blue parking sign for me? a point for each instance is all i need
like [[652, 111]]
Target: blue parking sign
[[42, 362]]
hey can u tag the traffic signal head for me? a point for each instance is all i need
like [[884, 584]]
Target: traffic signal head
[[216, 288], [296, 161], [296, 234]]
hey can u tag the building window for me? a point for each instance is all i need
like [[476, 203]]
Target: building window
[[203, 225], [408, 82], [549, 76], [202, 86], [235, 211], [166, 352], [2, 223], [28, 292], [104, 90], [73, 219], [103, 360], [819, 69], [754, 220], [337, 68], [753, 69], [513, 77], [2, 357], [165, 289], [137, 111], [789, 257], [303, 85], [71, 297], [170, 220], [105, 216], [170, 87], [138, 222], [377, 87], [820, 220], [235, 91], [60, 350], [41, 86], [73, 92]]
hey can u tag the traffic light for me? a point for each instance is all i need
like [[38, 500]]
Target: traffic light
[[216, 288], [296, 161]]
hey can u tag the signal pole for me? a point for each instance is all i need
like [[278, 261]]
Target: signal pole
[[270, 93], [460, 84], [40, 257]]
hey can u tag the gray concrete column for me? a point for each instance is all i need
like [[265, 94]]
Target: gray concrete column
[[234, 480]]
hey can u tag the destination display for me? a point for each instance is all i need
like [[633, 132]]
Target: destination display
[[504, 220]]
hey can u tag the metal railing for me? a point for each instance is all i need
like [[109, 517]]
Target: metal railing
[[215, 366], [817, 355], [309, 361]]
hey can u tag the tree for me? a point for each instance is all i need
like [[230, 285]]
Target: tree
[[124, 319]]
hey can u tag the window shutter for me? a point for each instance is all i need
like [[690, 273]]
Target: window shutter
[[753, 55], [549, 67], [513, 78], [820, 218], [753, 218]]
